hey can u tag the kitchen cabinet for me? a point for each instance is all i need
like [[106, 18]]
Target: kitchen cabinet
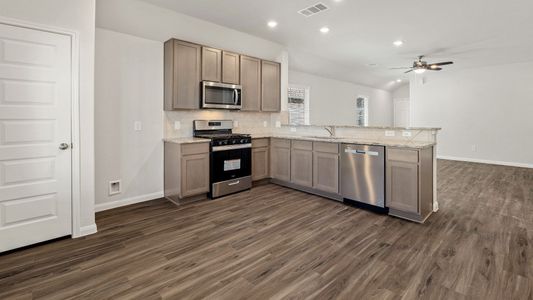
[[251, 83], [186, 170], [230, 67], [409, 183], [270, 86], [302, 163], [280, 159], [211, 64], [326, 167], [260, 159], [182, 72]]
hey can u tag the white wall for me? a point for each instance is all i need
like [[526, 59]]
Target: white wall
[[75, 16], [129, 87], [401, 92], [490, 108], [332, 102]]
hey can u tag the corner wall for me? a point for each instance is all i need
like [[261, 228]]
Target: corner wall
[[485, 113]]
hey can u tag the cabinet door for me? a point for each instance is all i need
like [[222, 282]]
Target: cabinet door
[[302, 167], [194, 174], [230, 67], [251, 83], [260, 163], [270, 87], [280, 162], [211, 64], [402, 186], [182, 75], [326, 172]]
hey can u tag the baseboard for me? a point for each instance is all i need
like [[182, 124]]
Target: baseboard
[[128, 201], [484, 161], [87, 230]]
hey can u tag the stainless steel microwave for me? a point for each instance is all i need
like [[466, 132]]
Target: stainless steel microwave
[[221, 95]]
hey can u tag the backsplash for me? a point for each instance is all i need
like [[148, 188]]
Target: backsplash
[[248, 122]]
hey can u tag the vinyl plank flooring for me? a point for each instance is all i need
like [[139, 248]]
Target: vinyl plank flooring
[[276, 243]]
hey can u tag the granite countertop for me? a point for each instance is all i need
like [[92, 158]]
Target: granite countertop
[[350, 140], [186, 140], [366, 127]]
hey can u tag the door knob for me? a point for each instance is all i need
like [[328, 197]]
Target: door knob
[[63, 146]]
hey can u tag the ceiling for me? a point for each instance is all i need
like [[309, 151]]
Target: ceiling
[[472, 33]]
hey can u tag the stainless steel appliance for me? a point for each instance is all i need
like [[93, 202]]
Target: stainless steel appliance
[[221, 95], [230, 169], [363, 174]]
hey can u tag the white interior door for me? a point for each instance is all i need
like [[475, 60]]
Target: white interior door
[[402, 113], [35, 118]]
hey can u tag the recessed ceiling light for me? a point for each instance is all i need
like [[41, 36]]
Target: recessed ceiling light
[[398, 80], [272, 24], [324, 29], [398, 43]]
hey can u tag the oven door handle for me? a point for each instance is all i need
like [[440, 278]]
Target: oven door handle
[[231, 147], [235, 183]]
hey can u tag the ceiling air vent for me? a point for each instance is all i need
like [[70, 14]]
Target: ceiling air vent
[[313, 10]]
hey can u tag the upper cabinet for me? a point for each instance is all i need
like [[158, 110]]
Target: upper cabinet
[[211, 64], [251, 83], [270, 86], [230, 67], [188, 64], [182, 73]]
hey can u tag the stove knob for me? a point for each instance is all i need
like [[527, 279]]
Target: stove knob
[[243, 141]]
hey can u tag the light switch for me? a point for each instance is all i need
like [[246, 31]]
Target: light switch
[[177, 125], [406, 133], [293, 129], [390, 133], [278, 124], [235, 123], [137, 126], [265, 124]]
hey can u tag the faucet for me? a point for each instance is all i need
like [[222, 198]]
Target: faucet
[[330, 130]]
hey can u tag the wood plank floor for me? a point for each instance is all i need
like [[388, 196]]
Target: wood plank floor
[[276, 243]]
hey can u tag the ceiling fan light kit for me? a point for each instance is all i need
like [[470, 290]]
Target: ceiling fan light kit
[[420, 66]]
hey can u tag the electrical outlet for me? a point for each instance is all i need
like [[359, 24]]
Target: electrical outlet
[[293, 129], [137, 126], [278, 124], [473, 148], [114, 187], [265, 124], [390, 133], [177, 125], [235, 123], [406, 133]]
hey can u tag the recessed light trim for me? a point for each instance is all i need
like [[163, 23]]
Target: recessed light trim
[[272, 24], [324, 29], [398, 43]]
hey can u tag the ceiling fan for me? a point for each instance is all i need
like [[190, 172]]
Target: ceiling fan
[[420, 66]]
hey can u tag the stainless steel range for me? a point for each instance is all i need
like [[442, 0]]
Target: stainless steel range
[[230, 169]]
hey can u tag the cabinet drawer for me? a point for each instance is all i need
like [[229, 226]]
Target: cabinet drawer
[[405, 155], [281, 143], [187, 149], [257, 143], [302, 145], [326, 147]]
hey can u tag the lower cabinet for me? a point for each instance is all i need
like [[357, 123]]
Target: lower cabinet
[[302, 163], [280, 159], [326, 167], [186, 170], [409, 183], [260, 159]]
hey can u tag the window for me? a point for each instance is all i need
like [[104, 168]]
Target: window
[[361, 111], [298, 105]]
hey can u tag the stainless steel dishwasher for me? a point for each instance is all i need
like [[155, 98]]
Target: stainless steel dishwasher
[[363, 174]]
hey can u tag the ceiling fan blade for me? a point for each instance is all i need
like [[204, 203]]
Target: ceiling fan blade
[[434, 69], [400, 68], [442, 63], [409, 71]]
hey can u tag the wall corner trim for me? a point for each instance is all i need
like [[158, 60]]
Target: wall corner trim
[[128, 201]]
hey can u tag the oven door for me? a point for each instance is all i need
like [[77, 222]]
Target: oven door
[[220, 95], [231, 162]]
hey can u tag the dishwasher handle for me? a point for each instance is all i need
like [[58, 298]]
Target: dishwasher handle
[[361, 152]]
